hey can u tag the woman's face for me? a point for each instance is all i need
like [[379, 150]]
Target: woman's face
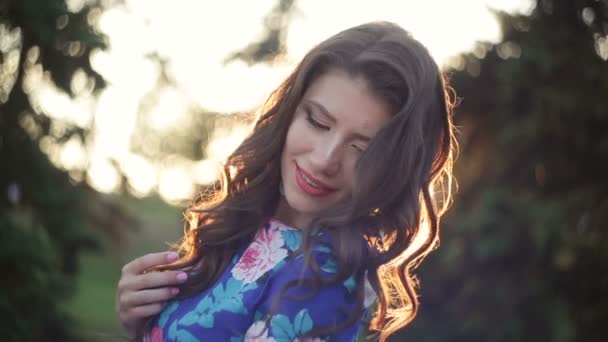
[[332, 126]]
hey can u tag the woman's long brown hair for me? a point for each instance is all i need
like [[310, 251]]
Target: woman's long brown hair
[[402, 184]]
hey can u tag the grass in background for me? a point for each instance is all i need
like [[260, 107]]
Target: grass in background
[[93, 304]]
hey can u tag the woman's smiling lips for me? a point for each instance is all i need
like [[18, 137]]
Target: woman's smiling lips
[[310, 184]]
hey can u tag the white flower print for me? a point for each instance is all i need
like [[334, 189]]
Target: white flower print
[[261, 256], [258, 332]]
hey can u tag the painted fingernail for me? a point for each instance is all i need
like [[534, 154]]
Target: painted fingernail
[[174, 291], [182, 276], [172, 256]]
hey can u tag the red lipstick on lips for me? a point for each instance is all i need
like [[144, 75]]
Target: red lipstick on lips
[[320, 189]]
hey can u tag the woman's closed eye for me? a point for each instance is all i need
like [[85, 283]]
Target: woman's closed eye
[[358, 148], [314, 122]]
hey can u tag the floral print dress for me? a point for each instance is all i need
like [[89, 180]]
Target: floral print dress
[[238, 306]]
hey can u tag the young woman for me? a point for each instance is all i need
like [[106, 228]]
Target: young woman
[[309, 235]]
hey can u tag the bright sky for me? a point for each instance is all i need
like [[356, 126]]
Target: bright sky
[[195, 37]]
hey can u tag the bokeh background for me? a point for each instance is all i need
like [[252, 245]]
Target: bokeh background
[[113, 114]]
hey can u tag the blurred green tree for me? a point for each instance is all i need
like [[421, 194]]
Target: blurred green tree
[[524, 253], [47, 218]]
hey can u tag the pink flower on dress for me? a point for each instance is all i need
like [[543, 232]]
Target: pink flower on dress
[[308, 339], [261, 256], [258, 332], [156, 335]]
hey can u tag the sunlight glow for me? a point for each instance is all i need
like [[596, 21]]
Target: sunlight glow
[[115, 119], [225, 140], [175, 183], [141, 174], [57, 104], [192, 40], [205, 171], [103, 176], [170, 109], [72, 154]]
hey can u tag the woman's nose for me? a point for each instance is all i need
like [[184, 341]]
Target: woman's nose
[[326, 158]]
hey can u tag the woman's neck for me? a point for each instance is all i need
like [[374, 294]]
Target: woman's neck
[[290, 217]]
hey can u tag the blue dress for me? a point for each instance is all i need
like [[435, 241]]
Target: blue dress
[[238, 305]]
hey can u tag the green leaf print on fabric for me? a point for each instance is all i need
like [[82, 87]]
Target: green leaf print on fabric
[[350, 284], [302, 322], [322, 249], [201, 315], [329, 266], [281, 328], [284, 330], [180, 335], [292, 238], [228, 297], [162, 320]]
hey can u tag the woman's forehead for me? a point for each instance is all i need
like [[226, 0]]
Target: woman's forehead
[[347, 99]]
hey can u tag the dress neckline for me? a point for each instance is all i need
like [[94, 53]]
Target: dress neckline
[[276, 222]]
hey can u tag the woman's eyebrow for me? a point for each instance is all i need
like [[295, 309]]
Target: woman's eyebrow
[[321, 108]]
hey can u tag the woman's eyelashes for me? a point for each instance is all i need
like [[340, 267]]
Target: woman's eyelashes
[[314, 122], [358, 148]]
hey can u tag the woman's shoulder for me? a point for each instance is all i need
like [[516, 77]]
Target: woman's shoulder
[[277, 246], [270, 247], [285, 242]]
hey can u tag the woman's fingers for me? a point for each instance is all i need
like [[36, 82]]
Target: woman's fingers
[[142, 294], [147, 310], [146, 297], [151, 280], [147, 261], [132, 318]]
